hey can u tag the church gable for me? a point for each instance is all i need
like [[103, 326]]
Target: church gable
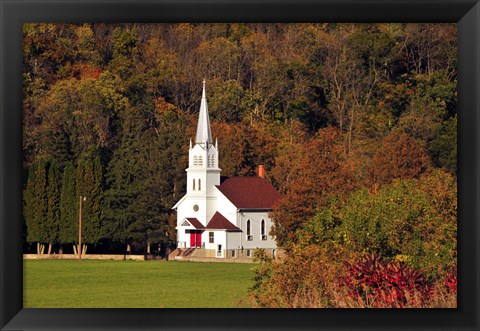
[[219, 222], [190, 221]]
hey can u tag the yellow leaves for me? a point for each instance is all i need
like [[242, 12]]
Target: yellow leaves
[[402, 258], [84, 33], [162, 107], [184, 29], [46, 28]]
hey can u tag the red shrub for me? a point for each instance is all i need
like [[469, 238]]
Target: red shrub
[[451, 281], [380, 284]]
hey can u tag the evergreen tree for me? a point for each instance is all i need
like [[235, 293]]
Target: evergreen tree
[[124, 174], [68, 226], [58, 147], [52, 219], [444, 145], [33, 229], [36, 204], [143, 177], [90, 187]]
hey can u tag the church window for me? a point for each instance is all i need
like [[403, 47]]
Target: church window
[[194, 184], [249, 235], [249, 253], [262, 230], [199, 184], [233, 253], [210, 237]]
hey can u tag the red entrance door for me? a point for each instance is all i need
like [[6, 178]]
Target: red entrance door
[[195, 238]]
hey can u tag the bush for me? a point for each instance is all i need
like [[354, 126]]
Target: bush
[[385, 284], [450, 281], [305, 278]]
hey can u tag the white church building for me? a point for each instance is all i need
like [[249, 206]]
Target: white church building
[[222, 218]]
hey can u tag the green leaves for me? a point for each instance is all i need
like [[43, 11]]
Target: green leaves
[[68, 225], [41, 202], [444, 145], [52, 219], [412, 219], [90, 186], [35, 201], [143, 176]]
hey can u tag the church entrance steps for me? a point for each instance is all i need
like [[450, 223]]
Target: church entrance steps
[[175, 254], [188, 251], [180, 253]]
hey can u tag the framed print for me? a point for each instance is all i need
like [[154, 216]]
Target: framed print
[[268, 154]]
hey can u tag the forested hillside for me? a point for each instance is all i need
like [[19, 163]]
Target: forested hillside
[[355, 124]]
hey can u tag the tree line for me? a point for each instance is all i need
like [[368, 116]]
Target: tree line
[[355, 124]]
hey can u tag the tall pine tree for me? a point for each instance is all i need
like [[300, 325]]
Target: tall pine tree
[[52, 219], [124, 174], [68, 226], [143, 176], [89, 185], [35, 200]]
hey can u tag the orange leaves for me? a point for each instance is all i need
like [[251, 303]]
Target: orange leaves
[[85, 71], [162, 107], [243, 147], [321, 173], [399, 156], [304, 278]]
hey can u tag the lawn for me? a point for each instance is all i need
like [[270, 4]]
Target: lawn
[[134, 284]]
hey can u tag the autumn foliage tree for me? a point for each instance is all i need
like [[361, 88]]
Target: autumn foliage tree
[[399, 156], [320, 174]]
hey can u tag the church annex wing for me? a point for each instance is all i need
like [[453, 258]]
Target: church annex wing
[[249, 192]]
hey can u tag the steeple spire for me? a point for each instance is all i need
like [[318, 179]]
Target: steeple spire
[[204, 134]]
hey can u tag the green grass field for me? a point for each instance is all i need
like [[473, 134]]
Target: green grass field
[[134, 284]]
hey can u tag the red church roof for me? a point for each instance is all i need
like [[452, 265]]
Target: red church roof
[[219, 221], [196, 223], [250, 192]]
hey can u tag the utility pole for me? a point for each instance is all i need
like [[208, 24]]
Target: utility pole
[[80, 228]]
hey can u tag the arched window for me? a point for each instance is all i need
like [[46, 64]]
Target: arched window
[[199, 184], [249, 235], [262, 230], [194, 184]]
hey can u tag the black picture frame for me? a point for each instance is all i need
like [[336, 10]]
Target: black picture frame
[[466, 13]]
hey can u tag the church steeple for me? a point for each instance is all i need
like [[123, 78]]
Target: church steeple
[[203, 173], [204, 134]]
